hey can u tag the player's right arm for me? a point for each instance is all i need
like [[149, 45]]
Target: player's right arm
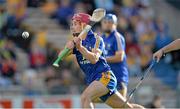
[[175, 45], [118, 57], [119, 54]]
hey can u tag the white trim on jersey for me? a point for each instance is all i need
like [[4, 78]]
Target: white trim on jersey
[[118, 40]]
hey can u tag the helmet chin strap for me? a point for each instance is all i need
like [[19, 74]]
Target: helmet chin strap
[[107, 31], [76, 34]]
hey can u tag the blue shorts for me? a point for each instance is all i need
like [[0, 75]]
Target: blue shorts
[[110, 81]]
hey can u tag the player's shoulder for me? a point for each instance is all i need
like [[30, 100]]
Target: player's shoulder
[[117, 34], [94, 37], [97, 36]]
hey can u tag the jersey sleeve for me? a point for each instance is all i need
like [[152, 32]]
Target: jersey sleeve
[[117, 42]]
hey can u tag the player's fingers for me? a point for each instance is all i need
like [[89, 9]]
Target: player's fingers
[[76, 40], [157, 56], [154, 56], [70, 45], [157, 59]]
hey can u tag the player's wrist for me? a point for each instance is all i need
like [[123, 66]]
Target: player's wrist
[[80, 48], [163, 52]]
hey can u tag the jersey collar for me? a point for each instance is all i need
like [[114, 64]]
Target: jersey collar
[[110, 33]]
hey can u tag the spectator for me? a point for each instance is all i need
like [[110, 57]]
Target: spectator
[[145, 10], [64, 13], [35, 3], [133, 61], [140, 27], [49, 7], [160, 25], [8, 65], [17, 8], [156, 103], [37, 57], [54, 83], [131, 44], [106, 4], [133, 55], [162, 38], [123, 25], [50, 53], [80, 8], [41, 37], [129, 8], [10, 47], [146, 55], [3, 17], [8, 68], [31, 83]]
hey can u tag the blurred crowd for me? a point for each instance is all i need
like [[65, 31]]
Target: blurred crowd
[[144, 32]]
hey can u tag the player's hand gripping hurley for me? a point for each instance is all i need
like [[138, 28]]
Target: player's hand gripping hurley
[[97, 16]]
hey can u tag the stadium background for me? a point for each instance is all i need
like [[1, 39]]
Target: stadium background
[[27, 78]]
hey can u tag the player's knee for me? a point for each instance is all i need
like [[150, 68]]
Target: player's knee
[[85, 97]]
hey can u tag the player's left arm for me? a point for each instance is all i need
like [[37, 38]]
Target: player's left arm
[[92, 56], [175, 45], [119, 54]]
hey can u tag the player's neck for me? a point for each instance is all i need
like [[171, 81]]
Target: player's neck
[[107, 34]]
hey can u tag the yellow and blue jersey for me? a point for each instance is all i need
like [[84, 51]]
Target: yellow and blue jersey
[[113, 43], [92, 71]]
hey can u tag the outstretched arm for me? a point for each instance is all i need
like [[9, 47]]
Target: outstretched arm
[[175, 45]]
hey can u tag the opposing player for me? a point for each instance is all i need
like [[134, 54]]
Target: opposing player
[[89, 53], [115, 51], [175, 45]]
